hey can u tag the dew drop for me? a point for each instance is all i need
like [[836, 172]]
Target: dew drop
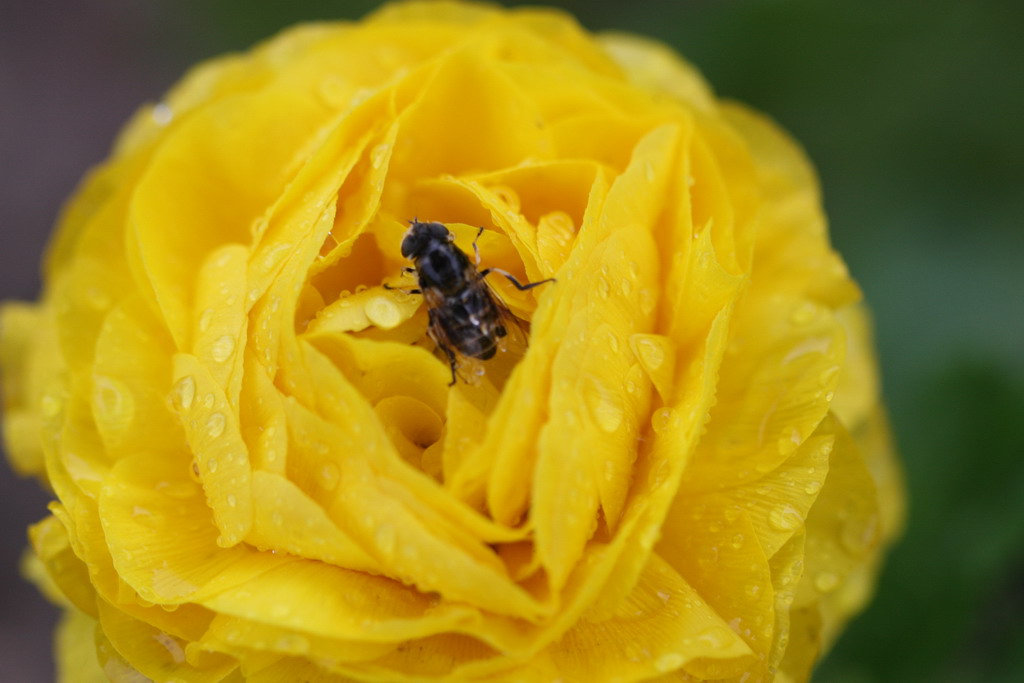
[[649, 350], [232, 501], [714, 637], [803, 313], [50, 405], [648, 299], [785, 518], [205, 320], [184, 392], [662, 419], [812, 487], [113, 401], [380, 154], [669, 662], [222, 349], [328, 475], [162, 114], [858, 535], [606, 407], [215, 425], [386, 537], [382, 312], [737, 541], [826, 582], [211, 465]]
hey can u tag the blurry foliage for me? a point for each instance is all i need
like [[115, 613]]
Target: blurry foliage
[[908, 111]]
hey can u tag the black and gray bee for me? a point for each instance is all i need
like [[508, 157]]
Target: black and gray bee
[[466, 319]]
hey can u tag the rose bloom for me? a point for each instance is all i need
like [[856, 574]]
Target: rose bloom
[[259, 469]]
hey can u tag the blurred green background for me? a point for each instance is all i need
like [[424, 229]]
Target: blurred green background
[[913, 115]]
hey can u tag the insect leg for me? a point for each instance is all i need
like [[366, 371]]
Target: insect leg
[[399, 289], [512, 278], [451, 362], [476, 249]]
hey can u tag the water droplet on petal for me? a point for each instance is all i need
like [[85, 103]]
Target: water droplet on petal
[[328, 475], [50, 405], [715, 637], [113, 402], [669, 662], [386, 538], [184, 392], [826, 582], [662, 419], [380, 154], [215, 425], [162, 114], [205, 320], [803, 313], [232, 501], [211, 464], [222, 349], [785, 518], [650, 350], [606, 407], [382, 312]]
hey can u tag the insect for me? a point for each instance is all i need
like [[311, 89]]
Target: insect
[[465, 317]]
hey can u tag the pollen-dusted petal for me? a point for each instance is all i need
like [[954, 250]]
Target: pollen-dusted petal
[[287, 520], [153, 653], [211, 427], [219, 316], [162, 538], [76, 649], [663, 625], [131, 374], [213, 175]]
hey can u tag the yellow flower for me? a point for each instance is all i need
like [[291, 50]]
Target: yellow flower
[[260, 470]]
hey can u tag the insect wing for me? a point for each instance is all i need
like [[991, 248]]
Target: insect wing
[[467, 368]]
